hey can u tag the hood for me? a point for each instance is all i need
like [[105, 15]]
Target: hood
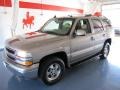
[[32, 40]]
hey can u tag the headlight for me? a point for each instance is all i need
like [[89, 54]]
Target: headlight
[[23, 54], [24, 58]]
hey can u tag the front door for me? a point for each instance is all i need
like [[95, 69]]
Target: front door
[[82, 46]]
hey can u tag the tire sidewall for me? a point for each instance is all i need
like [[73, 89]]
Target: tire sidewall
[[46, 65], [103, 56]]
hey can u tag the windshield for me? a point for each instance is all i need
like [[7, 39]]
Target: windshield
[[58, 26]]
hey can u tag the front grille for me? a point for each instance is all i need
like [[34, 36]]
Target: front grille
[[10, 50], [11, 57]]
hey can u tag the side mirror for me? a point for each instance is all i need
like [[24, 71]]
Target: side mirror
[[80, 33]]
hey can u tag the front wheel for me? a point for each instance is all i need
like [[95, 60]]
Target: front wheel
[[105, 51], [52, 70]]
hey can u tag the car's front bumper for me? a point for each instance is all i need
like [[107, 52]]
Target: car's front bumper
[[22, 71]]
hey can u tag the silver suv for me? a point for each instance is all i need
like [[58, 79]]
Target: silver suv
[[59, 44]]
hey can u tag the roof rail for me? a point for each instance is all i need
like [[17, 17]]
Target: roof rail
[[54, 16], [87, 15], [70, 15], [103, 16]]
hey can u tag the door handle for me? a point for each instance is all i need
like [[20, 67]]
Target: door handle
[[92, 38], [103, 35]]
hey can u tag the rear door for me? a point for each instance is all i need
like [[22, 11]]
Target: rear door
[[98, 34]]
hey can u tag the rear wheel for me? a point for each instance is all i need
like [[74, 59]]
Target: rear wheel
[[52, 70], [105, 51]]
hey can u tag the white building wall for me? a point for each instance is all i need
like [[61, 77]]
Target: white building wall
[[13, 18]]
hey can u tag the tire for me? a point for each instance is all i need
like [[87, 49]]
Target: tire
[[105, 51], [52, 70]]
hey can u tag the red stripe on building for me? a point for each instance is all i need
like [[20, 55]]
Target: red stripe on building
[[6, 3], [47, 7]]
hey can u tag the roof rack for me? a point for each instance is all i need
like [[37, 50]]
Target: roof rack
[[87, 15], [70, 15], [54, 16], [103, 16]]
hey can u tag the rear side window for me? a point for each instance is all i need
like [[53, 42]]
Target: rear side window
[[97, 25], [106, 23]]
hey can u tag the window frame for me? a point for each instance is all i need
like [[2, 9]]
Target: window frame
[[101, 27], [88, 24]]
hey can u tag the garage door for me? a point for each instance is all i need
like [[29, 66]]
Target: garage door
[[113, 13]]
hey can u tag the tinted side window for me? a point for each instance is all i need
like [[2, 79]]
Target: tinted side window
[[97, 25], [83, 24]]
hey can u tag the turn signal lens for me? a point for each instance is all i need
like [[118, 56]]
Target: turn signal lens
[[26, 63]]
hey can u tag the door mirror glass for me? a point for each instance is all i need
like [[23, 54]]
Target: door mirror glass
[[80, 33]]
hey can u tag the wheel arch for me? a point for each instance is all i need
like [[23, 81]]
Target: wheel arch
[[109, 40], [62, 55]]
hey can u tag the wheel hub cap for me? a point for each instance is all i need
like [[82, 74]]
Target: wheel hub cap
[[106, 50], [53, 71]]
